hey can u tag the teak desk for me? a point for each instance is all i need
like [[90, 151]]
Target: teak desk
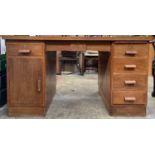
[[31, 72]]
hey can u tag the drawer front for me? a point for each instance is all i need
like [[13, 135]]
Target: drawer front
[[25, 49], [128, 50], [125, 65], [129, 97], [129, 82]]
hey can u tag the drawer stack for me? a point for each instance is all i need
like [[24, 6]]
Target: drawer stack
[[2, 80], [129, 78]]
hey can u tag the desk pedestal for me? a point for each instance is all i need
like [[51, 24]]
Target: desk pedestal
[[123, 78]]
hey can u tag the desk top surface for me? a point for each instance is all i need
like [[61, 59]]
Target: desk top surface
[[77, 38]]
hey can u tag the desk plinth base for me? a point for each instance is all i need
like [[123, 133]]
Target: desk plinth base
[[128, 110], [26, 111]]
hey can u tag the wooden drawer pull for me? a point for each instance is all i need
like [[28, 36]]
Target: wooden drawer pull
[[39, 85], [24, 51], [132, 53], [130, 66], [130, 82], [130, 99]]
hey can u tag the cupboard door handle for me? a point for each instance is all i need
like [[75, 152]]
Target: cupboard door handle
[[131, 53], [39, 85], [130, 82], [129, 99], [130, 66], [24, 51]]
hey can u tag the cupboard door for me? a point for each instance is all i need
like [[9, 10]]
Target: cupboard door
[[25, 81]]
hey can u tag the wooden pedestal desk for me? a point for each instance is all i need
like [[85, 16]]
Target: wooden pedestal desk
[[31, 72]]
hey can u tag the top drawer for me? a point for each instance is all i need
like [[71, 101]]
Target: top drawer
[[25, 49], [131, 50]]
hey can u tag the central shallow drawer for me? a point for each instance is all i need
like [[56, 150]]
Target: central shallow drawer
[[130, 50], [129, 97], [125, 65], [25, 49], [129, 82]]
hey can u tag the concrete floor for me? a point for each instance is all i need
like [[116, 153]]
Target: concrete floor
[[77, 97]]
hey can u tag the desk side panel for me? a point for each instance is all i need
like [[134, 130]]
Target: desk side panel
[[104, 78], [50, 58]]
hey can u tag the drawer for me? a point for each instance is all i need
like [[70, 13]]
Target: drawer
[[2, 82], [131, 50], [129, 97], [25, 49], [129, 82], [125, 65]]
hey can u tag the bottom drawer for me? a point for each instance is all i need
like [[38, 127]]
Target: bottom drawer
[[129, 97], [2, 97]]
